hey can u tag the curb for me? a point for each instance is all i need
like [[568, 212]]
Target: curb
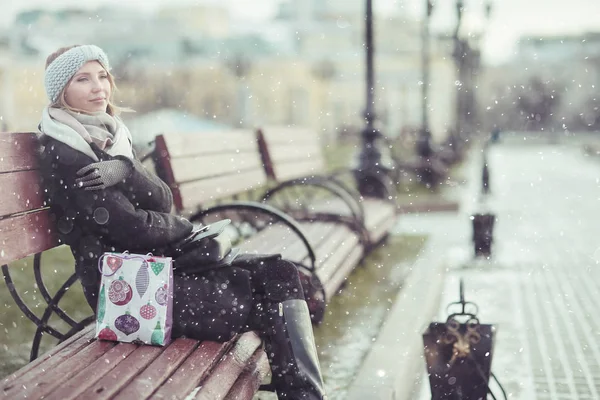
[[427, 207], [395, 362]]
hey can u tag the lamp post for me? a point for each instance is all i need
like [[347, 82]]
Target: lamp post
[[373, 170], [459, 55], [474, 67], [467, 59], [423, 145]]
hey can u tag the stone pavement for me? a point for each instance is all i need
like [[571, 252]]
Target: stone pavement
[[542, 285]]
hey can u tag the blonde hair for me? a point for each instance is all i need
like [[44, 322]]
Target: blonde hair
[[111, 108]]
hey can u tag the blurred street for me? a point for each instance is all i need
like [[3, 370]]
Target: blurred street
[[541, 286]]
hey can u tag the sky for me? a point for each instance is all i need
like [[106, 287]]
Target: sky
[[509, 19]]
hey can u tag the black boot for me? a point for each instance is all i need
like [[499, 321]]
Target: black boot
[[292, 352]]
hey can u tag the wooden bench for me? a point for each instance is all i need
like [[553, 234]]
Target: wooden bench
[[429, 164], [295, 161], [206, 168], [82, 367]]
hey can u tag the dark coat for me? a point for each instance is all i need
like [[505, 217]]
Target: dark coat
[[135, 216]]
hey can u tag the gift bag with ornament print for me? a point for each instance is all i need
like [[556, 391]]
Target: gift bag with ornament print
[[135, 303]]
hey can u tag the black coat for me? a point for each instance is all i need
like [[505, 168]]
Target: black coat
[[135, 216]]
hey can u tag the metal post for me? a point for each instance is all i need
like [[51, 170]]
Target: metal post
[[425, 70], [370, 75], [459, 59], [426, 174], [372, 173]]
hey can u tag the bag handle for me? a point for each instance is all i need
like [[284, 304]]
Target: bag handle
[[124, 256]]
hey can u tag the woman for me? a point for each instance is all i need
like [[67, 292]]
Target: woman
[[104, 200]]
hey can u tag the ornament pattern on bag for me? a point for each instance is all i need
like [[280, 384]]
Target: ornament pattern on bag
[[119, 292], [101, 305], [127, 323], [148, 311], [107, 334], [157, 267], [157, 335], [142, 279], [114, 263], [161, 295]]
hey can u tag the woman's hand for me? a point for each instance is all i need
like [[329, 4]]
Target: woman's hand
[[103, 174]]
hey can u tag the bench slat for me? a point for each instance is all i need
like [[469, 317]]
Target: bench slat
[[288, 152], [339, 245], [341, 237], [191, 169], [22, 192], [250, 380], [159, 371], [50, 359], [92, 373], [191, 372], [274, 238], [380, 217], [18, 151], [230, 368], [290, 170], [25, 235], [342, 272], [118, 377], [317, 233], [216, 188], [202, 143], [53, 378], [286, 135]]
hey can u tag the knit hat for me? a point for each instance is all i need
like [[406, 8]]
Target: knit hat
[[62, 69]]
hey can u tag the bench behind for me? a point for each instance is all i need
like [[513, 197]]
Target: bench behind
[[294, 158], [208, 166], [292, 152]]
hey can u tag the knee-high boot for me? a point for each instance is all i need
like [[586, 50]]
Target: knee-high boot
[[292, 352]]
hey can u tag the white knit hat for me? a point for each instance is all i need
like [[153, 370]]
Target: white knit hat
[[62, 69]]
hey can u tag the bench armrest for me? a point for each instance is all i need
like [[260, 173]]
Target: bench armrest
[[346, 200], [230, 209]]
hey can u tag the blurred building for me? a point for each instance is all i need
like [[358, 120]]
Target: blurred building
[[309, 72], [567, 65], [331, 32]]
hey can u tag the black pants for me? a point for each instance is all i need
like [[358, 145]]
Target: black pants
[[219, 303], [272, 283]]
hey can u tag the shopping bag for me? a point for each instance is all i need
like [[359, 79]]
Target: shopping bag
[[135, 303]]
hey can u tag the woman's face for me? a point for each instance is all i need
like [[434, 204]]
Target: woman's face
[[89, 89]]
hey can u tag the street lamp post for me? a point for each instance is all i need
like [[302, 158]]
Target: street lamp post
[[467, 58], [373, 171], [459, 55], [423, 145], [425, 133]]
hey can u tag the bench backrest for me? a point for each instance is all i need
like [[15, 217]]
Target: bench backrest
[[25, 224], [208, 166], [290, 152]]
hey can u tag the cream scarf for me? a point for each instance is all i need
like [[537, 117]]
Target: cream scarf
[[79, 130]]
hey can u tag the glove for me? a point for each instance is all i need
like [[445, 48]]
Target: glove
[[103, 174]]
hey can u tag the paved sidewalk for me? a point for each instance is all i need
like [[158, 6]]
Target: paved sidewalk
[[542, 285]]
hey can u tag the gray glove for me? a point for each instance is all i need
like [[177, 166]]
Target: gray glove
[[103, 174]]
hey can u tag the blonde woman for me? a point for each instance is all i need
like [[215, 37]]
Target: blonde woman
[[104, 200]]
